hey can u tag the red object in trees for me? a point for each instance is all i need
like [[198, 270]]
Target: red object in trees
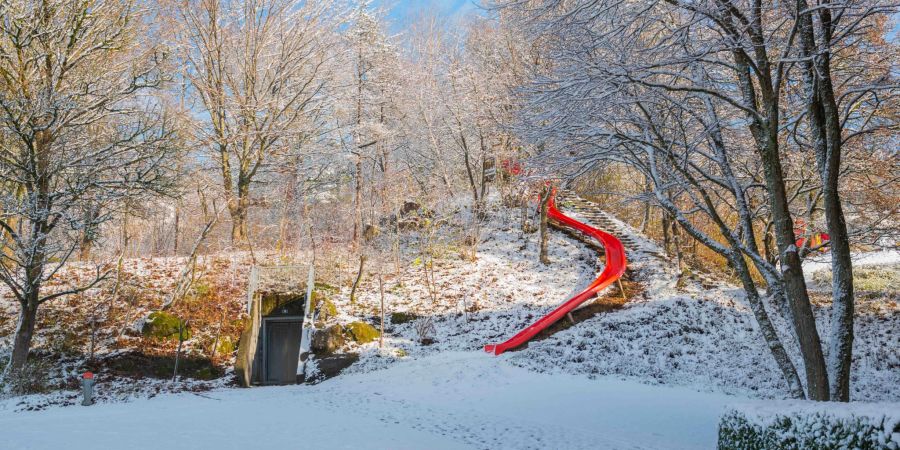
[[511, 167], [88, 376], [615, 267], [817, 240]]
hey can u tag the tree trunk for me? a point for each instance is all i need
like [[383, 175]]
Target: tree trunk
[[676, 240], [177, 229], [181, 326], [239, 227], [359, 274], [84, 250], [828, 158], [28, 304], [381, 296], [841, 347], [665, 232], [645, 220], [792, 273], [239, 208], [523, 207], [89, 234], [788, 371], [24, 335], [357, 201], [545, 202], [769, 244], [825, 127]]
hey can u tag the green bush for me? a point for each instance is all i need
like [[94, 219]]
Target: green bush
[[808, 425], [225, 346]]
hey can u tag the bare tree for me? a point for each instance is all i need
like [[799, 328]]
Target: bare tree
[[839, 109], [79, 133], [257, 69], [721, 73]]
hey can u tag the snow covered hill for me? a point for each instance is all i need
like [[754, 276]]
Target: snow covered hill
[[674, 331], [653, 373]]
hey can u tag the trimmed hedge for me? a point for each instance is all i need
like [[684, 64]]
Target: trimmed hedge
[[810, 425]]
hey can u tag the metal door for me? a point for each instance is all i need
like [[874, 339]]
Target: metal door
[[281, 351]]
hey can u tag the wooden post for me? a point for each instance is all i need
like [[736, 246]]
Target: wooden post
[[182, 325], [381, 291], [546, 192]]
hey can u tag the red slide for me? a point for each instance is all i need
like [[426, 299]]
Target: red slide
[[615, 267]]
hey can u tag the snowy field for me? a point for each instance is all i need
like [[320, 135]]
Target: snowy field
[[446, 400]]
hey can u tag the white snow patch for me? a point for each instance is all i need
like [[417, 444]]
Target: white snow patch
[[447, 400], [822, 261]]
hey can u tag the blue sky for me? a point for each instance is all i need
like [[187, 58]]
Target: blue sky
[[401, 12]]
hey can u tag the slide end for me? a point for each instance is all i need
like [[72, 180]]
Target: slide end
[[493, 349]]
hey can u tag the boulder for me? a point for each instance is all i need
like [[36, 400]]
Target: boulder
[[162, 325], [331, 366], [324, 307], [398, 318], [409, 206], [328, 341], [362, 333]]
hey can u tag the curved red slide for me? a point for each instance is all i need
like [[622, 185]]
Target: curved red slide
[[615, 267]]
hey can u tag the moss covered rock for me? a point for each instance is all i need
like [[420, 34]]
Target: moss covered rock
[[328, 340], [399, 318], [162, 325], [324, 306], [362, 333]]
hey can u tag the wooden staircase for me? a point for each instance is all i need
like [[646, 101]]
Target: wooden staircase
[[591, 212]]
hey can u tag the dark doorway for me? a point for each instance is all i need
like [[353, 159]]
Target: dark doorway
[[282, 350]]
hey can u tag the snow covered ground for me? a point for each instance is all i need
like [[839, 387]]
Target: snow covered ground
[[675, 332], [446, 400], [654, 374], [822, 261]]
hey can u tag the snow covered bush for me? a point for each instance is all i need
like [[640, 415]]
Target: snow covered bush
[[803, 425], [34, 379], [425, 330]]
